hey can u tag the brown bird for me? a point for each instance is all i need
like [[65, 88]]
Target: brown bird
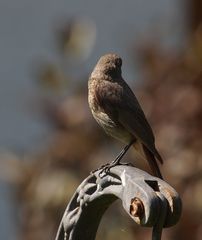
[[116, 109]]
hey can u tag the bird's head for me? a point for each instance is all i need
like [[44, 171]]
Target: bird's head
[[108, 65]]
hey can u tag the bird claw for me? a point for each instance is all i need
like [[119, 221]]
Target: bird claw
[[106, 168], [100, 168]]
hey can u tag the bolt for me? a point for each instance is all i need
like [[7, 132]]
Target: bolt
[[136, 208]]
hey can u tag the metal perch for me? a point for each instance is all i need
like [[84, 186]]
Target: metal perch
[[148, 200]]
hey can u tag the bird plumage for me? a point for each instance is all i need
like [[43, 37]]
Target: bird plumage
[[115, 107]]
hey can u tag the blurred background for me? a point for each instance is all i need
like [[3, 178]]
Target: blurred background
[[49, 141]]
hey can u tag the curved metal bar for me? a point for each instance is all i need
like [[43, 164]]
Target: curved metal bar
[[148, 200]]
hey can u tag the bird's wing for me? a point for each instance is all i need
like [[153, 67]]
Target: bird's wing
[[118, 101], [137, 125], [131, 116]]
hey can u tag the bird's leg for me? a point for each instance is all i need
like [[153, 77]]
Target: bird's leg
[[117, 161]]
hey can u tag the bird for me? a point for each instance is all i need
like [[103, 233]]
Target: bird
[[117, 110]]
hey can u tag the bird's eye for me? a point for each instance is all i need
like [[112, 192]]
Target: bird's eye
[[119, 62]]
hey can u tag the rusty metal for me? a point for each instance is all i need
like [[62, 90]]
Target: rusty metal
[[136, 208]]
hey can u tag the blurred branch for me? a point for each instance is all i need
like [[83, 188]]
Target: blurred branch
[[195, 10]]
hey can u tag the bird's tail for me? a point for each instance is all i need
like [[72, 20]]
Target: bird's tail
[[151, 158], [152, 162]]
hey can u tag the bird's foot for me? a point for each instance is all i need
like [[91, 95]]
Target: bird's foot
[[100, 168], [104, 169], [117, 161]]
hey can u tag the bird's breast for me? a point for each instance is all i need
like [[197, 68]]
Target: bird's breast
[[92, 99], [106, 120], [112, 128]]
